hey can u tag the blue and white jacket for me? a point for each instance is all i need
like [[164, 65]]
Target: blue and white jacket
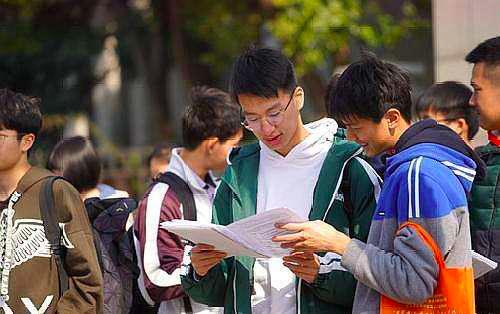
[[427, 182]]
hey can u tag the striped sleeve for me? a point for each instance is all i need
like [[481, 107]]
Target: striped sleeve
[[161, 252]]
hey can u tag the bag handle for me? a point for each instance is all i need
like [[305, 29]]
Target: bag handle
[[428, 240]]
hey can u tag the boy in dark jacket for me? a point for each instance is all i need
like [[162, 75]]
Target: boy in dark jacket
[[485, 204], [429, 173], [29, 277]]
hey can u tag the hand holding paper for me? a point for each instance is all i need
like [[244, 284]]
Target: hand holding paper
[[247, 237]]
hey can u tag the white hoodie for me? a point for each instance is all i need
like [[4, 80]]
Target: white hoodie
[[287, 181]]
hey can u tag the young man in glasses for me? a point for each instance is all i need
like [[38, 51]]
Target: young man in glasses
[[30, 280], [304, 168], [448, 104]]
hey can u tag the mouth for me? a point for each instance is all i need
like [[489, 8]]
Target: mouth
[[273, 141]]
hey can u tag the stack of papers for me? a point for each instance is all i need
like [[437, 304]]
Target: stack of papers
[[481, 264], [247, 237]]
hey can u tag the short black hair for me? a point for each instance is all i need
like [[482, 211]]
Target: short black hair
[[370, 87], [20, 112], [488, 52], [450, 99], [211, 113], [78, 161], [330, 89], [162, 151], [262, 72]]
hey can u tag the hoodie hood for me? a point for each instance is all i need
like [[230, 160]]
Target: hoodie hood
[[319, 140], [429, 139]]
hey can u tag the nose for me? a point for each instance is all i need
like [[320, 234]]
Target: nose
[[472, 100], [350, 135], [266, 127]]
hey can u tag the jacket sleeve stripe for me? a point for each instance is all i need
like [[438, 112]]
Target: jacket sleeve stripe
[[154, 272], [373, 175], [469, 171], [410, 207], [417, 186]]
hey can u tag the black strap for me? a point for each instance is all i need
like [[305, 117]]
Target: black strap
[[52, 231], [182, 191], [185, 196]]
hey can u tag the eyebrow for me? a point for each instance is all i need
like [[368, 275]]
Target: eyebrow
[[273, 107]]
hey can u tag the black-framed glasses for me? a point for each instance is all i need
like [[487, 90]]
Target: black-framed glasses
[[274, 118]]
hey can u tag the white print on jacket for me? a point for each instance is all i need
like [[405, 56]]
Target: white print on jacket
[[30, 306], [28, 240]]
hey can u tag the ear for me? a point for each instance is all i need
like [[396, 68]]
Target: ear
[[462, 128], [209, 144], [393, 117], [27, 142], [299, 93]]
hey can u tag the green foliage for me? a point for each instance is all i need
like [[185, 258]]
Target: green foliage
[[311, 31], [222, 29]]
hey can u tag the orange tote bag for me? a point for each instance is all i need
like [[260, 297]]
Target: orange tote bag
[[454, 293]]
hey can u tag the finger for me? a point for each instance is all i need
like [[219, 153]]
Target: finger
[[206, 256], [300, 269], [290, 226], [301, 255], [203, 247], [287, 238]]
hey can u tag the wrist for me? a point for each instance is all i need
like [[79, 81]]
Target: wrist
[[341, 245]]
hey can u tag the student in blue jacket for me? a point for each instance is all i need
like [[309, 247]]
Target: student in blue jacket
[[428, 174]]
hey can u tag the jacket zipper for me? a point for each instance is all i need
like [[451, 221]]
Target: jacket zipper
[[339, 181]]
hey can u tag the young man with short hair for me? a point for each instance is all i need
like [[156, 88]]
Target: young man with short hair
[[448, 104], [428, 176], [485, 197], [304, 168], [29, 275], [210, 129]]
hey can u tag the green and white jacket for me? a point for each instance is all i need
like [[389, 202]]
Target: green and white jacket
[[230, 283]]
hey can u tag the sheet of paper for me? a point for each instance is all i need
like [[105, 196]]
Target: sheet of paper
[[257, 231], [198, 232], [481, 264], [247, 237]]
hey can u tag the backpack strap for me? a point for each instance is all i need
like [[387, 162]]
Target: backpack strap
[[183, 192], [52, 230]]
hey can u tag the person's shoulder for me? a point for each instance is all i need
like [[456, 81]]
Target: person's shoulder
[[243, 152]]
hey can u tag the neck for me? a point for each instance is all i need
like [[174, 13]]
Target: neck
[[300, 134], [9, 178], [90, 194], [398, 132], [195, 161]]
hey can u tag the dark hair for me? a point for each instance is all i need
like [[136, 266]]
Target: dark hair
[[78, 161], [488, 52], [262, 72], [452, 100], [19, 112], [330, 92], [211, 113], [370, 87], [162, 151]]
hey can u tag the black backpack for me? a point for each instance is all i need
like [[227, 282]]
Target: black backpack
[[185, 196], [115, 250], [114, 245]]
